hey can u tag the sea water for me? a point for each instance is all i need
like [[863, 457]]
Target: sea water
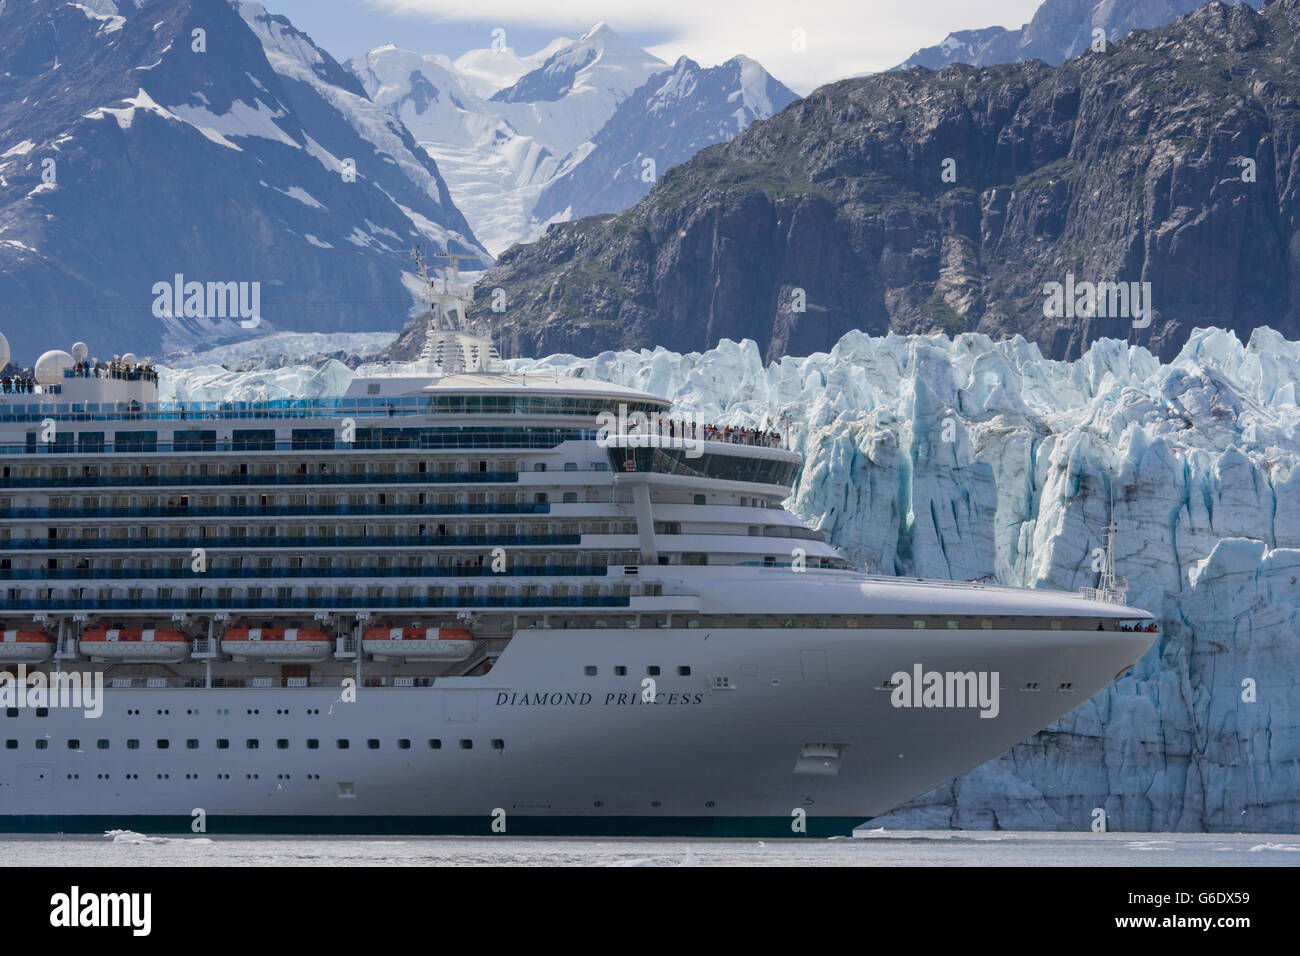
[[866, 848]]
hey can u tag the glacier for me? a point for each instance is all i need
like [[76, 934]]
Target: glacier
[[970, 459]]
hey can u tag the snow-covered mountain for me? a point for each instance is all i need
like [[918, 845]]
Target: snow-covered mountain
[[1197, 461], [142, 140], [1059, 30], [501, 148], [488, 71], [667, 121]]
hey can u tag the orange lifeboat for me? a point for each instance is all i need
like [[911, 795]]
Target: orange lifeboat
[[134, 645], [276, 644], [418, 643], [25, 647]]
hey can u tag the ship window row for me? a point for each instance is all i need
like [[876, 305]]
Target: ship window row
[[400, 562], [474, 404], [256, 503], [370, 468], [281, 743], [267, 439], [282, 506], [620, 670], [676, 461]]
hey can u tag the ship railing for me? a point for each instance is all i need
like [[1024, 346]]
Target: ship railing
[[1105, 595], [281, 682], [163, 574], [414, 603]]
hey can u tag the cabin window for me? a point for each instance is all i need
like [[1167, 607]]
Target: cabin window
[[342, 744], [191, 744], [133, 745], [223, 744], [435, 744], [590, 670], [74, 744], [313, 745], [653, 670], [466, 744]]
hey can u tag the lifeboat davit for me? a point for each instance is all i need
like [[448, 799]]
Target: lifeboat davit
[[135, 645], [276, 644], [418, 643], [25, 647]]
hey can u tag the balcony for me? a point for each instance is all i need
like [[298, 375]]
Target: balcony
[[291, 543], [243, 481], [280, 511], [92, 575], [320, 604]]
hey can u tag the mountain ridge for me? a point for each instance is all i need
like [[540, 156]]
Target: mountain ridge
[[833, 214]]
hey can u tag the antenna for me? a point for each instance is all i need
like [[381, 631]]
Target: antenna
[[1111, 589]]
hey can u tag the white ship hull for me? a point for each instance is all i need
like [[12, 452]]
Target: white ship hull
[[577, 754]]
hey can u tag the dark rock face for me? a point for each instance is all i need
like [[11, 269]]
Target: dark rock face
[[1118, 167], [1059, 30], [212, 164]]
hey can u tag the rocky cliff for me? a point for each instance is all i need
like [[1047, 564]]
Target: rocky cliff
[[1059, 30], [916, 201]]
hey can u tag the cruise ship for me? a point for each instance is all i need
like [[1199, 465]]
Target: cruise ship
[[463, 600]]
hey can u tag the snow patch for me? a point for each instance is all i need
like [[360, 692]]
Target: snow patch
[[22, 149]]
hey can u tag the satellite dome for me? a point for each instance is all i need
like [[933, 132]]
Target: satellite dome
[[79, 351], [128, 359], [4, 351], [50, 366]]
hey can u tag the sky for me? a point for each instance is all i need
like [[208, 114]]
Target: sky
[[803, 43]]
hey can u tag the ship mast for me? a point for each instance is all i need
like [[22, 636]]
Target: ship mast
[[1110, 588], [451, 342]]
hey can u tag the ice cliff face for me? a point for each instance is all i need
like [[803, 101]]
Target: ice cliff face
[[970, 459]]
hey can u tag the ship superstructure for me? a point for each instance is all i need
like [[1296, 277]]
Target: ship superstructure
[[458, 600]]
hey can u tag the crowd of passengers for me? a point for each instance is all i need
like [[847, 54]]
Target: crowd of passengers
[[114, 369], [727, 433], [19, 384]]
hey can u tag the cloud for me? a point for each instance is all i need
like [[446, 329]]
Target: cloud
[[840, 38]]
